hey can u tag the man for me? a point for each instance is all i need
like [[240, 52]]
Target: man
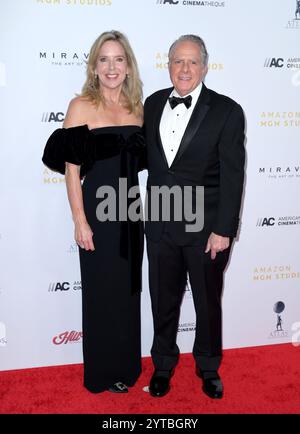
[[195, 137]]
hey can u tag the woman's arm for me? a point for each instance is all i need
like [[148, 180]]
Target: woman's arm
[[83, 232]]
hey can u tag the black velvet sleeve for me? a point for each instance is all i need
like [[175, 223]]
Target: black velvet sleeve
[[78, 145], [69, 145]]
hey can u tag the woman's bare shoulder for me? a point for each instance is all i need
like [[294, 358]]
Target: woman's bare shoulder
[[78, 111]]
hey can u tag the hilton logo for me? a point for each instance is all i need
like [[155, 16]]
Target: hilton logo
[[67, 337]]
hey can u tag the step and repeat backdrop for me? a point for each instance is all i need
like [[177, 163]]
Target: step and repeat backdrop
[[254, 57]]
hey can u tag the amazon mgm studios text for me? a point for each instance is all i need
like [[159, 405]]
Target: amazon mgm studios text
[[162, 203]]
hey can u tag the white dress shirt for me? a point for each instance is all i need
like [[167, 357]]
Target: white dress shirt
[[173, 123]]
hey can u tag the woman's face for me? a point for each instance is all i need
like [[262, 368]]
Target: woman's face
[[111, 65]]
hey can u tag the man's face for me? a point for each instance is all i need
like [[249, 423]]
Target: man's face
[[185, 67]]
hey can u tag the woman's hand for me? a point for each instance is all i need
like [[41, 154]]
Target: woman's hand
[[84, 235]]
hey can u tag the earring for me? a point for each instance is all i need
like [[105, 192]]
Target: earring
[[95, 76]]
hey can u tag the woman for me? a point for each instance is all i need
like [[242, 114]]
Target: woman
[[102, 142]]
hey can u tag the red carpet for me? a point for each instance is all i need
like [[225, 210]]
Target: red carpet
[[256, 380]]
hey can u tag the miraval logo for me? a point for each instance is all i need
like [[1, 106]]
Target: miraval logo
[[64, 286], [191, 3], [3, 340], [279, 221], [280, 172], [63, 58], [67, 338], [53, 117]]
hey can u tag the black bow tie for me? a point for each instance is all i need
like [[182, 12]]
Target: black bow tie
[[174, 101]]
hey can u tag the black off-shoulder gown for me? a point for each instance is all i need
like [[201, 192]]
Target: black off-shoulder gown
[[111, 275]]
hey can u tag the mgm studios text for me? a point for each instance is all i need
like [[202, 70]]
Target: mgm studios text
[[162, 203]]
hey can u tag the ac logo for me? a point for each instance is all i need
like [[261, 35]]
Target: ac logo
[[272, 62], [266, 221], [170, 2], [58, 286], [53, 117]]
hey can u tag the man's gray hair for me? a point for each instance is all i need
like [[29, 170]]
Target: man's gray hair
[[197, 40]]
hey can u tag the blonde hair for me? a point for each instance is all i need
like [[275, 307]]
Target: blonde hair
[[132, 85]]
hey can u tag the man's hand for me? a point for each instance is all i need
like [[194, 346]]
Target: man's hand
[[216, 243]]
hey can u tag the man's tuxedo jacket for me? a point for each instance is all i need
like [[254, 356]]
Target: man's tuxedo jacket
[[211, 154]]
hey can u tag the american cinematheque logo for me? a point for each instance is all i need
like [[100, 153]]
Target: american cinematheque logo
[[294, 22], [187, 327], [216, 4], [53, 117], [64, 286], [283, 221], [280, 62]]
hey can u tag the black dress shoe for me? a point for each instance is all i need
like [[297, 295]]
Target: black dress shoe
[[160, 383], [118, 388], [212, 384]]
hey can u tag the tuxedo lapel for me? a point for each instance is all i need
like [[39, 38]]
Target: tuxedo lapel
[[199, 113], [157, 117]]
